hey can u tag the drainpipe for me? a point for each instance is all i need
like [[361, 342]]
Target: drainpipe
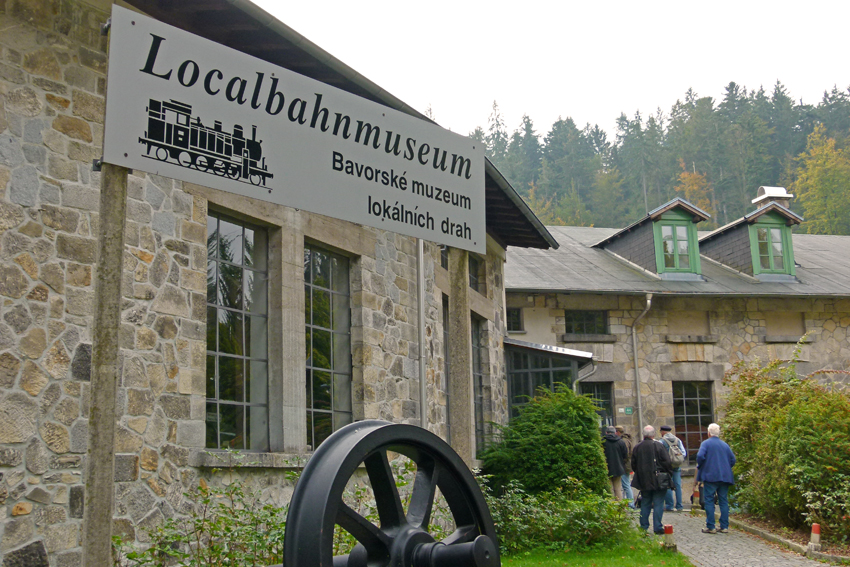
[[594, 368], [635, 360], [420, 296]]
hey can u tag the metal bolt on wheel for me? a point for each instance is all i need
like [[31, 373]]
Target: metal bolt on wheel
[[402, 539]]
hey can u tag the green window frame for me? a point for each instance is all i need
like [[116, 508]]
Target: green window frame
[[770, 243], [676, 246]]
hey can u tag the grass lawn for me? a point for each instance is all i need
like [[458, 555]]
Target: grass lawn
[[638, 553]]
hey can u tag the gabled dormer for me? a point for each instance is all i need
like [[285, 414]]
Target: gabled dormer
[[663, 242], [759, 243]]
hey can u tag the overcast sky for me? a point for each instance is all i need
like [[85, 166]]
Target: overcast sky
[[589, 60]]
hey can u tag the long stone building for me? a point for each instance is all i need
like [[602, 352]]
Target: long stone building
[[667, 310], [243, 324]]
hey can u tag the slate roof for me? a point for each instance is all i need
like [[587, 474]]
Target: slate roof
[[823, 269], [677, 202]]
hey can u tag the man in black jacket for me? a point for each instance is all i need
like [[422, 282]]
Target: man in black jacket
[[649, 457], [615, 453]]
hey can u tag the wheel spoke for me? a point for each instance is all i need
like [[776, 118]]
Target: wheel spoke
[[458, 501], [422, 498], [463, 534], [387, 499], [376, 542]]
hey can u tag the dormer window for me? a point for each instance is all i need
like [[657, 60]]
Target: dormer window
[[770, 241], [676, 248]]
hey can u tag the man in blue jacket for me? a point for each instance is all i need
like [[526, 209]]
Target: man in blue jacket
[[715, 460]]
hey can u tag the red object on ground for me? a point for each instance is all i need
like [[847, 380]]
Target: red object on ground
[[668, 529]]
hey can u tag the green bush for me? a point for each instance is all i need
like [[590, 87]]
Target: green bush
[[571, 517], [555, 436], [792, 439]]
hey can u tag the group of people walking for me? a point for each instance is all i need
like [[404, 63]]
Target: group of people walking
[[656, 464]]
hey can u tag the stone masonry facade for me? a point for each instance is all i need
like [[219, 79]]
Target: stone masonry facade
[[738, 329], [52, 97]]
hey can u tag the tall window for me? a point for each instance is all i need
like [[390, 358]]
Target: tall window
[[692, 412], [528, 371], [444, 257], [478, 361], [237, 342], [586, 322], [674, 247], [601, 394], [328, 339]]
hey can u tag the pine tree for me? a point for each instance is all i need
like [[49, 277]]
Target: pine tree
[[822, 185]]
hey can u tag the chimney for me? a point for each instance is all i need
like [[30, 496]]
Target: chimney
[[778, 195]]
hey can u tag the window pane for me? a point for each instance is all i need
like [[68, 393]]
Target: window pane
[[339, 274], [256, 339], [255, 292], [342, 353], [212, 426], [342, 393], [212, 326], [682, 244], [257, 381], [256, 250], [322, 426], [212, 280], [231, 379], [321, 263], [230, 286], [309, 383], [321, 349], [231, 422], [310, 440], [211, 376], [230, 332], [257, 427], [341, 313], [308, 346], [341, 419], [321, 390], [321, 308], [776, 241], [230, 242], [564, 377]]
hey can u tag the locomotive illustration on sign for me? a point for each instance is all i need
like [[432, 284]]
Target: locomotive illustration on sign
[[175, 137]]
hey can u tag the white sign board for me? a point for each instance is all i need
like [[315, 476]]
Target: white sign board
[[187, 108]]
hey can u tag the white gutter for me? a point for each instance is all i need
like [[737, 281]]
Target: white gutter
[[635, 361]]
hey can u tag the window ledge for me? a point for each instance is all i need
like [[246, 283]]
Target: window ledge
[[523, 332], [587, 338], [682, 277], [787, 339], [208, 459], [777, 278], [700, 339]]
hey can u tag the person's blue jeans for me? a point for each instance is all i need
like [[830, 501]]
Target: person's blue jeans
[[652, 500], [626, 481], [668, 499], [722, 491]]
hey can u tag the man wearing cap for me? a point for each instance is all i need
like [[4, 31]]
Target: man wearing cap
[[668, 439], [615, 455], [626, 480]]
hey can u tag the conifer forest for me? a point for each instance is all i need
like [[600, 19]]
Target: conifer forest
[[713, 153]]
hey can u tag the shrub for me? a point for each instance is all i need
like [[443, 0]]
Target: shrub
[[555, 436], [792, 439], [571, 517]]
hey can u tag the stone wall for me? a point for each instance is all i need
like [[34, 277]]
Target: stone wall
[[52, 82], [739, 330]]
